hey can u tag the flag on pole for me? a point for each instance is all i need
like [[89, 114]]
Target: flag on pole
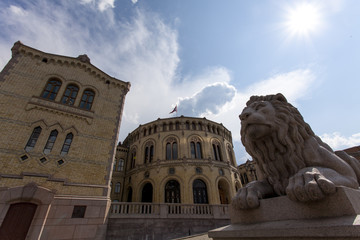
[[174, 110]]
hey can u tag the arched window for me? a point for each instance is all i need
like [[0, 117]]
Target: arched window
[[133, 159], [171, 126], [50, 142], [114, 166], [171, 149], [242, 179], [155, 129], [224, 195], [147, 193], [51, 89], [33, 139], [117, 188], [144, 132], [149, 130], [217, 151], [87, 99], [120, 165], [67, 143], [187, 124], [200, 192], [246, 179], [177, 126], [70, 95], [129, 196], [172, 192], [200, 126], [149, 152], [193, 126], [195, 148], [230, 155]]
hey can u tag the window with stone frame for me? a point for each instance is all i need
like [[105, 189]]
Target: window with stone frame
[[70, 94], [230, 155], [171, 149], [33, 139], [200, 192], [114, 165], [51, 89], [172, 192], [67, 143], [195, 148], [149, 152], [133, 159], [50, 142], [117, 187], [120, 166], [87, 99], [217, 151]]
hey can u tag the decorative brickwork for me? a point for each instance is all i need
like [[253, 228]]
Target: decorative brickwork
[[71, 153]]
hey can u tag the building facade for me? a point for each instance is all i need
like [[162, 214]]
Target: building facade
[[176, 160], [60, 118]]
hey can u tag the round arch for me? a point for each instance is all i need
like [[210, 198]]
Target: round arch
[[171, 138], [209, 186], [200, 192], [142, 185], [147, 155], [224, 191], [163, 186], [195, 151], [147, 194]]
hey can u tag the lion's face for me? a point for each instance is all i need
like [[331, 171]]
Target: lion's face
[[257, 120]]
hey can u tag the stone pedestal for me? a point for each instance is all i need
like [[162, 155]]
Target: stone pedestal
[[335, 217]]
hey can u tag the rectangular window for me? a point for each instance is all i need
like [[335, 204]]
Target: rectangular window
[[78, 212]]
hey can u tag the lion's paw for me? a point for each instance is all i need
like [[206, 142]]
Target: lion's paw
[[309, 185], [246, 198]]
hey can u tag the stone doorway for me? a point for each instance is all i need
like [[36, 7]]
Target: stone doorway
[[17, 221], [147, 193], [172, 192], [200, 192], [223, 188]]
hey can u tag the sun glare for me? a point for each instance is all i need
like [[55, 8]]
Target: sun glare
[[303, 20]]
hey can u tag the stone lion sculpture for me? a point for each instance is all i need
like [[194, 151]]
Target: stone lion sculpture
[[294, 161]]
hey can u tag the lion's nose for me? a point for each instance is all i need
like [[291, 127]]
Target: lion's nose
[[244, 116]]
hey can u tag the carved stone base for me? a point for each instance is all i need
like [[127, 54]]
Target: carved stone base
[[336, 217]]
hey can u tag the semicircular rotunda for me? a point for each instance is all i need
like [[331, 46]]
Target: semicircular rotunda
[[176, 160]]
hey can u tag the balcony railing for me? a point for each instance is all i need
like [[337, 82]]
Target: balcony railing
[[168, 210]]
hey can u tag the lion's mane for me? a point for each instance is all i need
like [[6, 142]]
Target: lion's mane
[[280, 155]]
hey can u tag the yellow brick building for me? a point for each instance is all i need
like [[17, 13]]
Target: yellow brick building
[[60, 118], [176, 160]]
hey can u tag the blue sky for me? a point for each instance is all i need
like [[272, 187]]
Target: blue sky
[[208, 56]]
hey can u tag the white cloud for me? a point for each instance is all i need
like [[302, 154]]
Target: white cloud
[[144, 51], [293, 85], [102, 5], [339, 142], [105, 4], [134, 1], [208, 100]]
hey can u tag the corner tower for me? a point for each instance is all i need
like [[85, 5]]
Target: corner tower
[[60, 118]]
